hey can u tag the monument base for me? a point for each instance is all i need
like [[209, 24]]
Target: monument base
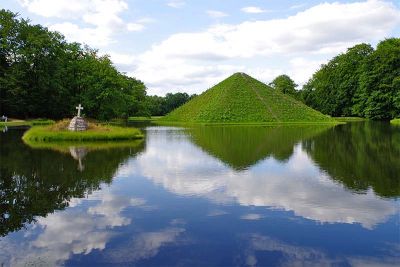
[[77, 124]]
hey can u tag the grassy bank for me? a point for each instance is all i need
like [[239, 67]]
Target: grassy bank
[[395, 121], [15, 123], [58, 132], [350, 119], [289, 123], [64, 146], [141, 119]]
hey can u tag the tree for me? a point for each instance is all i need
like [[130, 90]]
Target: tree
[[160, 106], [284, 84]]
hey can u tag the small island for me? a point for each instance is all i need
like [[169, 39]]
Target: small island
[[78, 129]]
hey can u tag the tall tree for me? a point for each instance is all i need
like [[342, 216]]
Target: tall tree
[[284, 84]]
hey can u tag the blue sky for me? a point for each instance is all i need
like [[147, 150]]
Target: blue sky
[[184, 45]]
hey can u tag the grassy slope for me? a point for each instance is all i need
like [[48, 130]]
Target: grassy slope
[[395, 121], [242, 99]]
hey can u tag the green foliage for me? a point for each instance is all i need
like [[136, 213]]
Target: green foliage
[[47, 134], [379, 90], [160, 106], [361, 82], [42, 75], [284, 84], [242, 99], [332, 88]]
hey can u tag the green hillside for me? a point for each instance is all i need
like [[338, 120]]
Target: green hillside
[[242, 99]]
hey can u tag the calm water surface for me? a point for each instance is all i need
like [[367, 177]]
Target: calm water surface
[[206, 196]]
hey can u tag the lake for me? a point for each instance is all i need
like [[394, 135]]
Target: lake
[[206, 196]]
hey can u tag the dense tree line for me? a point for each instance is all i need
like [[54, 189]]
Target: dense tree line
[[360, 162], [160, 106], [362, 82], [43, 75]]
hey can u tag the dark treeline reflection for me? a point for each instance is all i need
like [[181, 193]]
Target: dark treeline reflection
[[360, 155], [35, 182], [243, 146]]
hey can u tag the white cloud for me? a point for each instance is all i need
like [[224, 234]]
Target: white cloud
[[76, 230], [101, 19], [301, 69], [294, 255], [216, 14], [121, 59], [60, 8], [144, 246], [253, 10], [135, 27], [176, 3], [315, 34], [93, 36], [251, 217], [312, 195]]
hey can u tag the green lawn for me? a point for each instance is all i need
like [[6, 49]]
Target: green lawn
[[153, 118], [14, 123], [395, 121], [350, 119]]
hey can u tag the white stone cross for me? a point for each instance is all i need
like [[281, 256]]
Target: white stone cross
[[79, 108]]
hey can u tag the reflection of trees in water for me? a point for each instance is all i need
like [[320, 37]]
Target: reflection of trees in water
[[360, 155], [35, 182], [243, 146]]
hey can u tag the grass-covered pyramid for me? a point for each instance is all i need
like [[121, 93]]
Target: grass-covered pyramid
[[243, 99]]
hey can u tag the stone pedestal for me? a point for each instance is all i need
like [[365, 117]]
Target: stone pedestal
[[77, 124]]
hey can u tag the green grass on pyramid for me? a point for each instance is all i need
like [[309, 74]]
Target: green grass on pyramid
[[243, 99]]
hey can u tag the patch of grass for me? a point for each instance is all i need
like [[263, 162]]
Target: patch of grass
[[14, 123], [95, 132], [350, 119], [395, 121], [240, 99], [153, 118], [41, 122]]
